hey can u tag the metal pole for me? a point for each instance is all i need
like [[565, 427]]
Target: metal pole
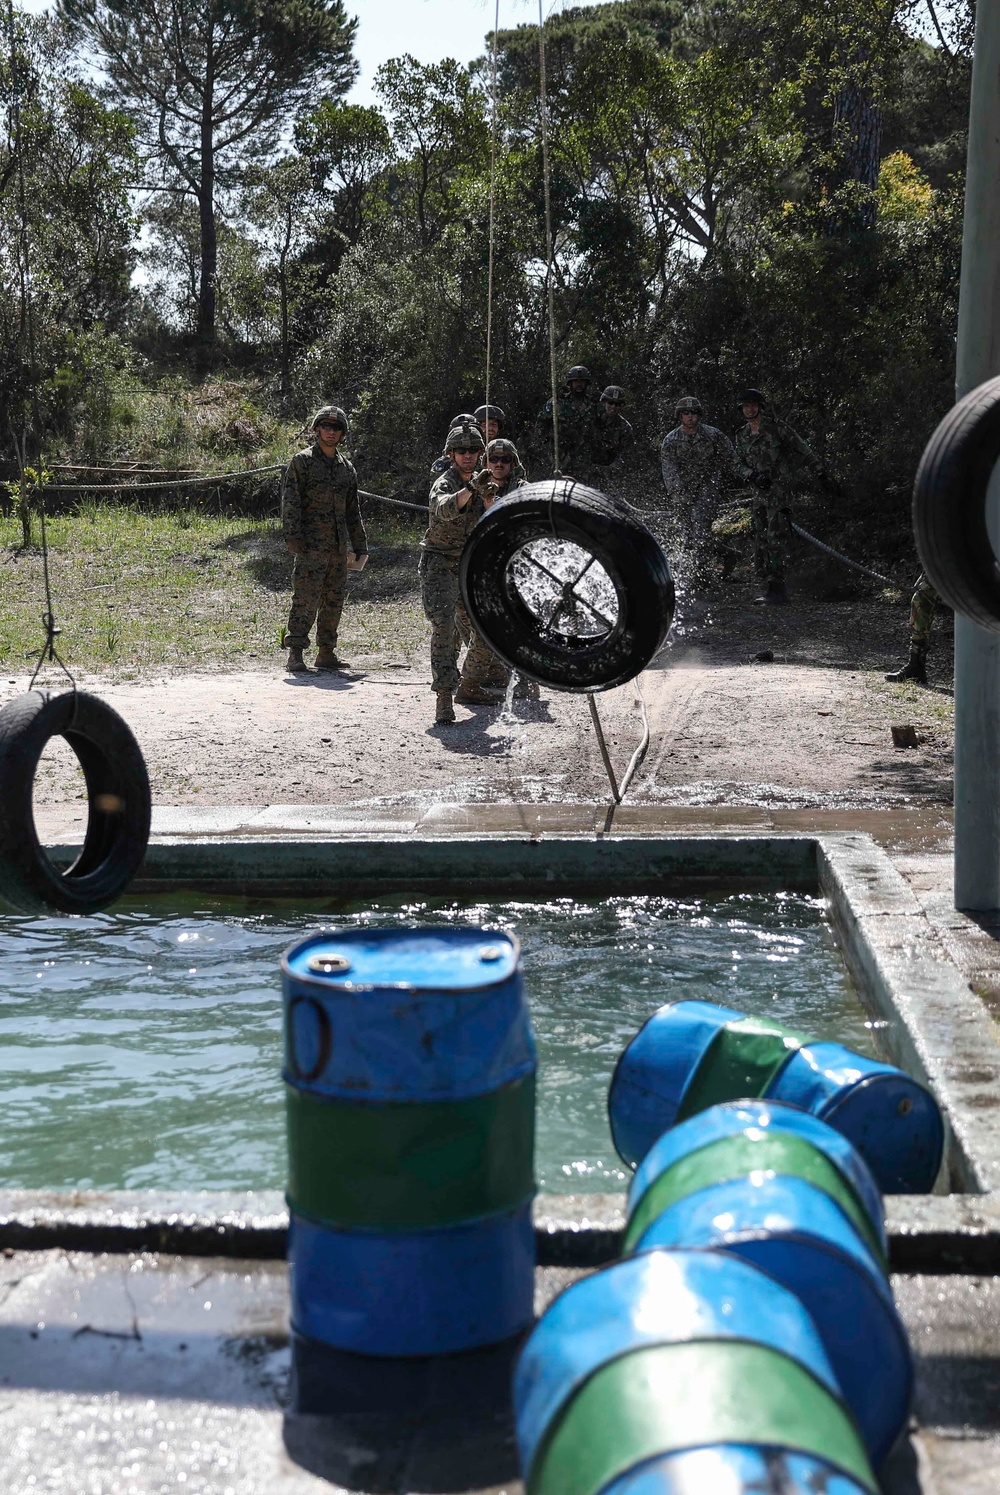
[[977, 652]]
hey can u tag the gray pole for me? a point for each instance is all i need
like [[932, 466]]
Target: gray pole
[[977, 651]]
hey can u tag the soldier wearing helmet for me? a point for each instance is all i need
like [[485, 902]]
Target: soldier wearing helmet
[[611, 434], [442, 463], [774, 459], [574, 410], [491, 421], [322, 527], [455, 504], [694, 459], [482, 671]]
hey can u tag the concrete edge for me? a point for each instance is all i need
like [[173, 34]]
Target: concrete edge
[[938, 1028], [931, 1235]]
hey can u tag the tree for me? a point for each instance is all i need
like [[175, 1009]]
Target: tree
[[210, 84]]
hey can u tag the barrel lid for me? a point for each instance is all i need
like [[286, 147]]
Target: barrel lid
[[447, 958]]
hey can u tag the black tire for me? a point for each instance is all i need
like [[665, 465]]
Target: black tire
[[606, 529], [949, 507], [118, 801]]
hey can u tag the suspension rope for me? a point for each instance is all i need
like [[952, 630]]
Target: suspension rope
[[549, 251], [493, 202], [845, 560]]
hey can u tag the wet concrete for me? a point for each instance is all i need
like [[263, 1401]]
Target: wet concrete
[[152, 1373]]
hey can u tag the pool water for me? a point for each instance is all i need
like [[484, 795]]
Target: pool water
[[141, 1048]]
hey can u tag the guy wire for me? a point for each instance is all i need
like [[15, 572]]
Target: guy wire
[[550, 257]]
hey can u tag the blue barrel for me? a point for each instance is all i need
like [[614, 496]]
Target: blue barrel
[[652, 1072], [735, 1117], [894, 1123], [666, 1351], [796, 1234], [733, 1470], [409, 1071]]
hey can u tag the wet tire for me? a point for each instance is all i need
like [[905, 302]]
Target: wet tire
[[949, 507], [118, 802], [586, 638]]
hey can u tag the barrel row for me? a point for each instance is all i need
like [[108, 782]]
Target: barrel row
[[410, 1095], [691, 1055], [748, 1338]]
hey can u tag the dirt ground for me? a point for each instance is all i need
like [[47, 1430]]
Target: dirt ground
[[809, 727]]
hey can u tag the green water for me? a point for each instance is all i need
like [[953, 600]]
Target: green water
[[141, 1048]]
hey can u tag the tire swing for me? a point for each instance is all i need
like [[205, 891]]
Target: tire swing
[[949, 507], [118, 799], [567, 586]]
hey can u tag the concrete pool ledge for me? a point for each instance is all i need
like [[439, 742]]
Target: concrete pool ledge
[[928, 1016]]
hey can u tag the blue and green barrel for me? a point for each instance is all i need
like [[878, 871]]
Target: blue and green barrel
[[691, 1055], [787, 1206], [410, 1087], [669, 1354]]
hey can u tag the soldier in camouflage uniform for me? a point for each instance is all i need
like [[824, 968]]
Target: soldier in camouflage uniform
[[923, 605], [575, 410], [481, 669], [611, 434], [442, 463], [455, 505], [321, 525], [694, 459], [773, 457]]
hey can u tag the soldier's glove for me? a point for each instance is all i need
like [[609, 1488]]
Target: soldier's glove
[[485, 485]]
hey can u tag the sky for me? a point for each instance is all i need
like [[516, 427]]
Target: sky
[[429, 29]]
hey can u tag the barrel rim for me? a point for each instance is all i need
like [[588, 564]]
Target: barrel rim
[[353, 988]]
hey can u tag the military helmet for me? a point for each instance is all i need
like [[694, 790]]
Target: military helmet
[[468, 435], [689, 403], [330, 412], [613, 395], [490, 412], [501, 447], [578, 372], [461, 420], [751, 397]]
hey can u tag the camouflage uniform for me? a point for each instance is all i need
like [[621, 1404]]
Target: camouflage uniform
[[693, 467], [611, 435], [779, 454], [923, 605], [319, 506], [576, 418], [481, 666], [440, 553]]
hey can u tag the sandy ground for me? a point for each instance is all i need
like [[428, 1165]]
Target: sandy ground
[[811, 727]]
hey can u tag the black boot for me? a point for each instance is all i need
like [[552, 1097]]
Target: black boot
[[776, 594], [914, 669]]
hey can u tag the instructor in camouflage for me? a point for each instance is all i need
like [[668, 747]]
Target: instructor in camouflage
[[694, 459], [455, 504], [773, 458], [322, 527], [575, 411], [923, 606]]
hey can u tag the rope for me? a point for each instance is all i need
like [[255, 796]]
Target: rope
[[207, 478], [640, 751], [615, 793], [844, 559], [493, 198], [550, 256]]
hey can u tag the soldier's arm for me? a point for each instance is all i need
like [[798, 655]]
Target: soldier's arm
[[291, 502], [668, 467], [352, 511], [802, 449], [448, 501], [728, 460]]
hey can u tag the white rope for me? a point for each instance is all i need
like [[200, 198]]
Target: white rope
[[550, 256], [493, 200]]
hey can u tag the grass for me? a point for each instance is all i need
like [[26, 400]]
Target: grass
[[136, 591]]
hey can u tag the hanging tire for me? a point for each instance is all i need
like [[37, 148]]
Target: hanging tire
[[567, 586], [949, 507], [117, 794]]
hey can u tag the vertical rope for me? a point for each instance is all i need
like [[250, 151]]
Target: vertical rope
[[550, 257], [493, 201]]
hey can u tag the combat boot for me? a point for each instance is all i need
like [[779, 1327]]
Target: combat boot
[[474, 695], [295, 664], [445, 713], [328, 659], [776, 595], [914, 669]]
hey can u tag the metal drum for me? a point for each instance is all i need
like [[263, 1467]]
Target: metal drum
[[692, 1055], [732, 1470], [731, 1140], [893, 1122], [410, 1088], [669, 1351], [650, 1087], [794, 1232]]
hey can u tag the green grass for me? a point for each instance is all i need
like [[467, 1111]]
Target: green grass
[[135, 591]]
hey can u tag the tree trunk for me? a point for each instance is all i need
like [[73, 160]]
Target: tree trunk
[[857, 133], [209, 239]]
